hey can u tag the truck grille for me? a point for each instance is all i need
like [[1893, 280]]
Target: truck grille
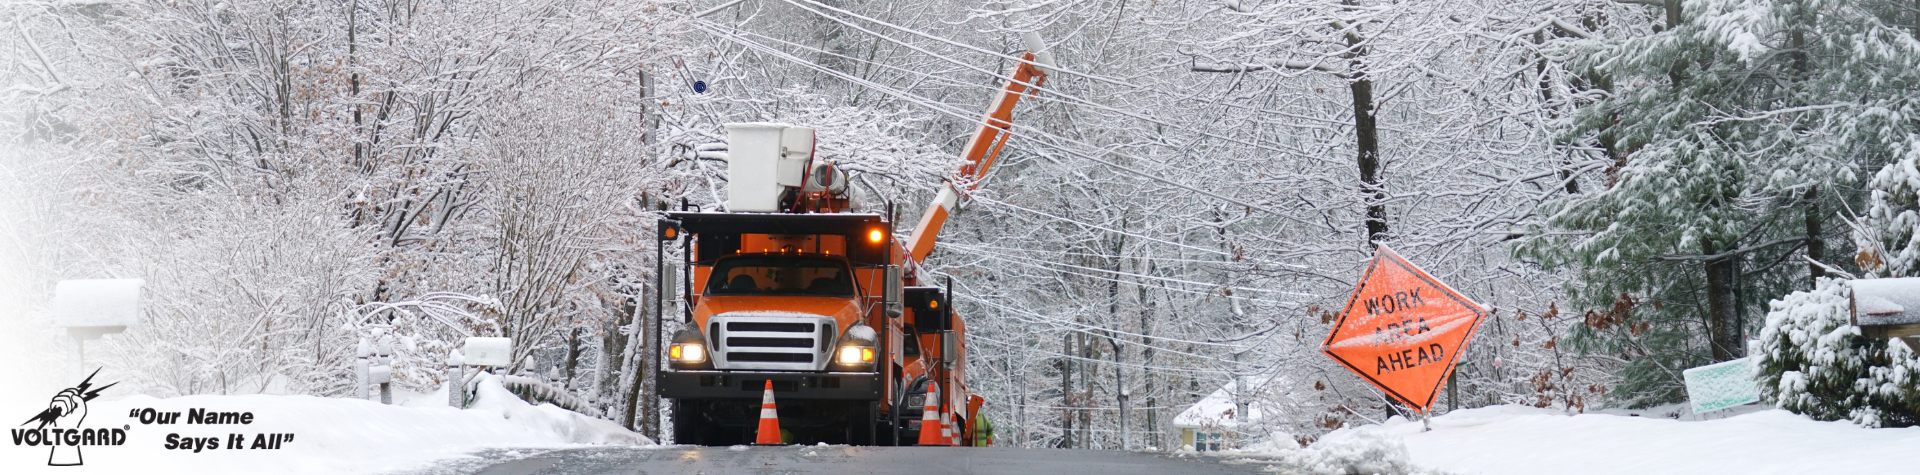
[[770, 357], [769, 327], [750, 341], [773, 342]]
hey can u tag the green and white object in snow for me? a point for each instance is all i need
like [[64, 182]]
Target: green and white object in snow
[[1721, 385]]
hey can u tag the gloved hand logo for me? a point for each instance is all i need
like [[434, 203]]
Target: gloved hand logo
[[64, 413]]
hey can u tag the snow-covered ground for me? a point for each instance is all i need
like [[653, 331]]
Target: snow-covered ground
[[1524, 440], [330, 435]]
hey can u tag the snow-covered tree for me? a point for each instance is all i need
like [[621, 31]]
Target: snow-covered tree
[[1741, 127]]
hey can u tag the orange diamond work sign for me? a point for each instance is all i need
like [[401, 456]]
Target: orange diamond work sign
[[1402, 330]]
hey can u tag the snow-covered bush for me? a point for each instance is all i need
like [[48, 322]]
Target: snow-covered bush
[[1814, 361]]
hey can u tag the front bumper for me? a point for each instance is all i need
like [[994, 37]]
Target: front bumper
[[709, 384]]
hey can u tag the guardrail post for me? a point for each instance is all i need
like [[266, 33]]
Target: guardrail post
[[361, 371], [383, 369], [456, 380]]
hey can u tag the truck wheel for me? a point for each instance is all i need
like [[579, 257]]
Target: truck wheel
[[686, 425], [860, 423], [886, 434]]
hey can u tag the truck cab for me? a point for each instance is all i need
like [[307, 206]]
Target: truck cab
[[816, 304], [791, 288]]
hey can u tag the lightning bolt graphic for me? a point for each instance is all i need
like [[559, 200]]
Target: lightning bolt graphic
[[47, 416], [86, 395]]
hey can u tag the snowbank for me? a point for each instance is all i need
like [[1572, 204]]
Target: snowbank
[[329, 435], [1524, 440]]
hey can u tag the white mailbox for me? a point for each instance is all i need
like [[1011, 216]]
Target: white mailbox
[[488, 351], [89, 308]]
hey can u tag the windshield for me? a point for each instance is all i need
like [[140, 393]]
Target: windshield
[[781, 275]]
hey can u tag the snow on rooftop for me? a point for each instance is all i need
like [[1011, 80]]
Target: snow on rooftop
[[1218, 410], [1887, 301]]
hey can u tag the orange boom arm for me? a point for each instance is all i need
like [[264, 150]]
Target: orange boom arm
[[980, 154]]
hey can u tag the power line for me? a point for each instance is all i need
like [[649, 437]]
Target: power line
[[1016, 130]]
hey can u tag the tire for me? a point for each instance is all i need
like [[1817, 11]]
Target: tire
[[888, 434], [860, 423], [686, 425]]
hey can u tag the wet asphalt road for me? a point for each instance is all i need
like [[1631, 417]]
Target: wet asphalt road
[[845, 460]]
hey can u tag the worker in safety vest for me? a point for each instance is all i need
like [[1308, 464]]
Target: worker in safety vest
[[982, 432]]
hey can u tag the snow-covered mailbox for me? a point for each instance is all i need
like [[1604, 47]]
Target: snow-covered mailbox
[[1218, 422], [91, 308], [478, 351], [1888, 308], [489, 351]]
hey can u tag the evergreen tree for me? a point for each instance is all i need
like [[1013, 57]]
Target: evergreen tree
[[1741, 126]]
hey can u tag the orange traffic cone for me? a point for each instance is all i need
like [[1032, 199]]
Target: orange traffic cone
[[769, 420], [930, 418], [951, 427], [957, 429]]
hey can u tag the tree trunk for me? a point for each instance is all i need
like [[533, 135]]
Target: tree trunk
[[1084, 408], [648, 347], [1146, 361], [1816, 248], [632, 370], [1120, 380], [1367, 141], [1066, 392], [1673, 13], [1723, 322], [573, 357], [1544, 83]]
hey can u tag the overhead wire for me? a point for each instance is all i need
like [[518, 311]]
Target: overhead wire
[[1068, 97], [1026, 132], [1015, 130], [1090, 329], [1036, 263], [1057, 354]]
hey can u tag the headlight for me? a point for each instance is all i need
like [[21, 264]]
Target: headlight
[[687, 353], [856, 355]]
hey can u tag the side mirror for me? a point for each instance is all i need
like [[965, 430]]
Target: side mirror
[[890, 297], [949, 346]]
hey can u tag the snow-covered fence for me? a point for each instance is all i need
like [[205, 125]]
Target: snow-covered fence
[[374, 365], [456, 380], [535, 391]]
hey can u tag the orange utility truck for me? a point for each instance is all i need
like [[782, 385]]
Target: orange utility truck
[[790, 285]]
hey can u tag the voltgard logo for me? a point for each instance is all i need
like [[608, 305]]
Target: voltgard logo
[[65, 413]]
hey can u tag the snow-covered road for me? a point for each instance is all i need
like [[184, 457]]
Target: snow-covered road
[[842, 460]]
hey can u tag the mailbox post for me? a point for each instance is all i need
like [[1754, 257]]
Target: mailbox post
[[91, 308], [478, 351]]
